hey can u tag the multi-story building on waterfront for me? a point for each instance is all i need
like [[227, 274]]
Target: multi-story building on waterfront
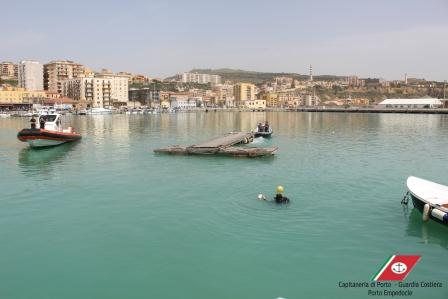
[[200, 78], [288, 98], [101, 90], [19, 97], [59, 70], [31, 75], [311, 100], [119, 88], [255, 104], [271, 98], [243, 92], [8, 70], [184, 101], [224, 95], [145, 96]]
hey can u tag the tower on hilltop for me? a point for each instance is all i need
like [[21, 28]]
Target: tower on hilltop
[[311, 72]]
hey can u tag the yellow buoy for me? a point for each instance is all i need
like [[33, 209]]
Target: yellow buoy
[[280, 189]]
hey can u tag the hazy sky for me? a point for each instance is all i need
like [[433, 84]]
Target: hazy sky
[[381, 38]]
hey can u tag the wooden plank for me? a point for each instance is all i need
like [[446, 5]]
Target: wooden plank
[[249, 151], [224, 141], [229, 151]]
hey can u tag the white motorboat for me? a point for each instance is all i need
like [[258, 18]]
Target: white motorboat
[[99, 111], [430, 198]]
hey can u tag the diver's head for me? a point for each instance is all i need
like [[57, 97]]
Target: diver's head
[[280, 189]]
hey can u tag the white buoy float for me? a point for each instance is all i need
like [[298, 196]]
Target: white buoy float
[[425, 214]]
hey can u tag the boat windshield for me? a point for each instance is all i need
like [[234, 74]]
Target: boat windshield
[[49, 118]]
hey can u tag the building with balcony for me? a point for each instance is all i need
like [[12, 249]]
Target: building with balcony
[[31, 75], [271, 98], [243, 92], [224, 95], [184, 101], [256, 104], [8, 70], [98, 91], [59, 70]]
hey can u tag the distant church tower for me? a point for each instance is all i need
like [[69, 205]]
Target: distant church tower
[[311, 72]]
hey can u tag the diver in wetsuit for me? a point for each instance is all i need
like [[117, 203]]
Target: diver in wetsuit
[[279, 198]]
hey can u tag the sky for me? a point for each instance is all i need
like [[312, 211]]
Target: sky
[[381, 38]]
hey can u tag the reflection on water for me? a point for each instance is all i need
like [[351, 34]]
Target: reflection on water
[[429, 232], [40, 160]]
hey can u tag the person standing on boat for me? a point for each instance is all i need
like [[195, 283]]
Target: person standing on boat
[[42, 123], [33, 122], [266, 126], [260, 127]]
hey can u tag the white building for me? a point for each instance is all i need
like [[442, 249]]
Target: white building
[[311, 100], [98, 91], [119, 88], [31, 75], [200, 78], [411, 103], [184, 102]]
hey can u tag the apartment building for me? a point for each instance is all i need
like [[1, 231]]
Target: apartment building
[[31, 75], [59, 70], [200, 78], [243, 92], [18, 97], [98, 91], [8, 70], [271, 99]]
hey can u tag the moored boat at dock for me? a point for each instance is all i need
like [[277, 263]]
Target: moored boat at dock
[[430, 198]]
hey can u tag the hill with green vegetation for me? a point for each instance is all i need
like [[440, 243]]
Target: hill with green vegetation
[[257, 77], [170, 86]]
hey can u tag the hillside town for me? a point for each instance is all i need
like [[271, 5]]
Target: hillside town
[[70, 85]]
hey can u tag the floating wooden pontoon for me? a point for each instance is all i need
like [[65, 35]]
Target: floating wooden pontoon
[[222, 146]]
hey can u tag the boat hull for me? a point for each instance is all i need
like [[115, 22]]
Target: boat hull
[[263, 134], [45, 138], [44, 142], [419, 204]]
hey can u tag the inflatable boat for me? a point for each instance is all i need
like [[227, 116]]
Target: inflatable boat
[[50, 132], [430, 198], [264, 134]]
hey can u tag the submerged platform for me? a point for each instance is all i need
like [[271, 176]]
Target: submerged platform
[[223, 145]]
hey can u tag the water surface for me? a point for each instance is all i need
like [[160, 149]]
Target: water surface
[[108, 218]]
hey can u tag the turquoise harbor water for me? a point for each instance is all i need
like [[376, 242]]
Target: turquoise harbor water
[[107, 218]]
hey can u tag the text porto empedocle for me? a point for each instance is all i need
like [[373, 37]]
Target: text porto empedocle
[[389, 280], [390, 289]]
